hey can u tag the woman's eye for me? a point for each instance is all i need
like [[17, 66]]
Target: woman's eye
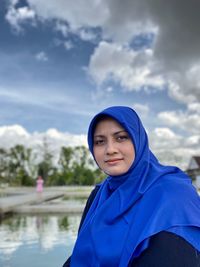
[[122, 138], [99, 142]]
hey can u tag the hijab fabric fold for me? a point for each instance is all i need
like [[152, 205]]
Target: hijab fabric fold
[[128, 209]]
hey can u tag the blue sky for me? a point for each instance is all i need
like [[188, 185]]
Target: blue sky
[[62, 62]]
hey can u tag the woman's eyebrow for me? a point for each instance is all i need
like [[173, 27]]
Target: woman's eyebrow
[[122, 131], [115, 133]]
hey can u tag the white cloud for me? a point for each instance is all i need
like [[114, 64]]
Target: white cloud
[[16, 134], [165, 136], [193, 141], [184, 85], [117, 20], [77, 13], [174, 149], [163, 140], [142, 110], [194, 107], [41, 56], [16, 16], [86, 34], [66, 138], [12, 135], [169, 117], [63, 28], [130, 68], [190, 122], [13, 130], [176, 58], [68, 45], [109, 89]]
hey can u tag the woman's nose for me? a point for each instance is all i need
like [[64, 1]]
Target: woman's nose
[[111, 148]]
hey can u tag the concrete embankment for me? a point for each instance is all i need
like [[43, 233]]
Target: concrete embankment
[[25, 200], [49, 209]]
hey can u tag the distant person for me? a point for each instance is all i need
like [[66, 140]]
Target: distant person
[[143, 214], [39, 184]]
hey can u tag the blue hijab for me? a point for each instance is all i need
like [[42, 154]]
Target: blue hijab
[[130, 208]]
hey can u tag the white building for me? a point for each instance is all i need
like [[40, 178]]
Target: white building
[[194, 170]]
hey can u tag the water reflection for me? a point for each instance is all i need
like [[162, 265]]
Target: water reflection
[[45, 240]]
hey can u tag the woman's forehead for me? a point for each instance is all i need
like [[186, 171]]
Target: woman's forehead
[[106, 124]]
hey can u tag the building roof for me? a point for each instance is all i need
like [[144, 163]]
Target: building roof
[[194, 163], [197, 159]]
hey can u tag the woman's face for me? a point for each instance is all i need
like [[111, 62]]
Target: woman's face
[[113, 148]]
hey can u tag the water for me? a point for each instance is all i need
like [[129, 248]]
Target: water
[[37, 241]]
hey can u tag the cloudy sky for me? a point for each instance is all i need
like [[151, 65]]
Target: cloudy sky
[[62, 61]]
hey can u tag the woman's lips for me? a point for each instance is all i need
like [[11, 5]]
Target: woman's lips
[[113, 161]]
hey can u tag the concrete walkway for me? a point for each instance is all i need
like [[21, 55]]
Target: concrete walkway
[[26, 200], [50, 209], [12, 203]]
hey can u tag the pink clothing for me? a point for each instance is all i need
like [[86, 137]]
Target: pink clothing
[[39, 187]]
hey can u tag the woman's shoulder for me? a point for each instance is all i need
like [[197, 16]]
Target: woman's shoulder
[[170, 203], [172, 190], [168, 250]]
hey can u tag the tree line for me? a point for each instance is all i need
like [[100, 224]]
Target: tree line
[[20, 166]]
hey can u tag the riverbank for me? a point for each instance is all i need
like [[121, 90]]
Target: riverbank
[[26, 200]]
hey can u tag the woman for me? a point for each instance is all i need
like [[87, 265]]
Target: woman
[[39, 184], [143, 213]]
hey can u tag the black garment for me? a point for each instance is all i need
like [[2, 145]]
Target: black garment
[[168, 250], [165, 249], [88, 204]]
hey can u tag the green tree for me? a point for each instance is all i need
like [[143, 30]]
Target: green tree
[[82, 157], [3, 165], [83, 176], [45, 166], [24, 179], [19, 164], [58, 178], [83, 167], [66, 157]]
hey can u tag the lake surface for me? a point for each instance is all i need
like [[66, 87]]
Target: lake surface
[[37, 240]]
